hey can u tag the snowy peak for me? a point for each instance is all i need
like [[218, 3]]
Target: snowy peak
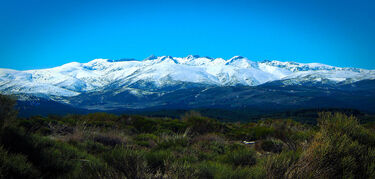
[[154, 73], [294, 67], [192, 56], [236, 58], [152, 57], [241, 62]]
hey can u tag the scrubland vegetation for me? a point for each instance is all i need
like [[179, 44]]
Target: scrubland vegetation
[[102, 145]]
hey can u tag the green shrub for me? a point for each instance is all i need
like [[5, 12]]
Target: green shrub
[[342, 148], [261, 132], [254, 172], [146, 140], [143, 143], [190, 157], [257, 171], [7, 111], [109, 140], [101, 124], [146, 137], [251, 132], [175, 125], [271, 146], [52, 158], [100, 116], [210, 142], [240, 157], [162, 131], [56, 159], [207, 149], [278, 165], [15, 166], [213, 170], [200, 124], [173, 142], [181, 169], [215, 147], [158, 160], [16, 140], [236, 146], [144, 125], [93, 147], [127, 162], [219, 170]]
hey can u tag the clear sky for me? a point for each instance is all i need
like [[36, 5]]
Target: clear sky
[[47, 33]]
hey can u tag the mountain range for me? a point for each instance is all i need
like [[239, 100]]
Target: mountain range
[[191, 82]]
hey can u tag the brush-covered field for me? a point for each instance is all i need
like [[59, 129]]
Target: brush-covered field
[[102, 145]]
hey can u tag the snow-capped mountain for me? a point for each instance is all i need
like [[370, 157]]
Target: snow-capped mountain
[[188, 82], [154, 73]]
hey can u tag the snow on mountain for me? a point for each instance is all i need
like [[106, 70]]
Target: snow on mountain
[[295, 67], [75, 78]]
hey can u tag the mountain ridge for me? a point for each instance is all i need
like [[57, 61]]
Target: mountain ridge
[[190, 82], [75, 78]]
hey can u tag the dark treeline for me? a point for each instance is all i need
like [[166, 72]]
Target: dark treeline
[[102, 145]]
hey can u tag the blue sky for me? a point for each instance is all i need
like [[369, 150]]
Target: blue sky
[[47, 33]]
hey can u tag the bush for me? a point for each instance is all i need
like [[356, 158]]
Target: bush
[[146, 137], [200, 124], [16, 140], [240, 157], [261, 132], [147, 140], [213, 170], [109, 140], [93, 147], [175, 125], [158, 160], [251, 132], [7, 112], [15, 166], [144, 125], [56, 159], [291, 133], [209, 146], [181, 169], [100, 116], [271, 146], [172, 142], [209, 150], [127, 162], [342, 148], [220, 170], [52, 158], [277, 165]]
